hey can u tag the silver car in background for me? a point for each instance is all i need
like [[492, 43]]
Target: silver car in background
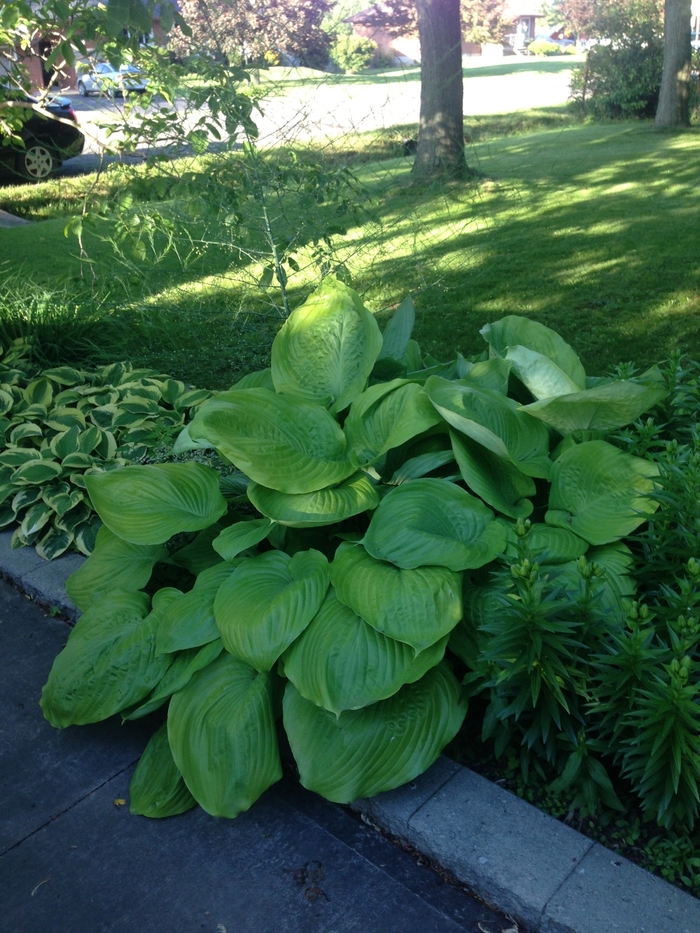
[[104, 78]]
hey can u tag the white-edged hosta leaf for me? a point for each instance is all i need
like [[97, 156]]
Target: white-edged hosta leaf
[[37, 471], [54, 543], [268, 602], [278, 441], [241, 536], [36, 517], [433, 522], [495, 421], [387, 415], [604, 408], [221, 729], [326, 349], [363, 752], [495, 479], [114, 564], [313, 509], [600, 492], [108, 663], [157, 788], [397, 332], [177, 676], [149, 504], [515, 331], [417, 606], [189, 621], [341, 662], [545, 543]]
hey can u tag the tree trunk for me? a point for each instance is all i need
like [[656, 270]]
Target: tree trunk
[[673, 109], [440, 149]]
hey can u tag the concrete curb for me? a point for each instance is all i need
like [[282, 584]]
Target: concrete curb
[[546, 876]]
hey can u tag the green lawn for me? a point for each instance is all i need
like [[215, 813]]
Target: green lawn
[[589, 229]]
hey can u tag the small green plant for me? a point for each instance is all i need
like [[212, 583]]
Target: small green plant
[[353, 53], [544, 47], [323, 580]]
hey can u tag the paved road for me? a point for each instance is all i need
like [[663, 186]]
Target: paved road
[[72, 858]]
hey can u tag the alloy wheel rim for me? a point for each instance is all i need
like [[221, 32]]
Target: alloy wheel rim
[[38, 162]]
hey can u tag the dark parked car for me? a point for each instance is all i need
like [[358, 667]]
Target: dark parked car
[[47, 140]]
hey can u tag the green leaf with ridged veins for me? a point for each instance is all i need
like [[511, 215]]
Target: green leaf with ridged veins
[[341, 662], [516, 331], [157, 788], [268, 602], [114, 564], [278, 441], [363, 752], [326, 349], [149, 504], [177, 676], [539, 374], [495, 421], [490, 374], [600, 492], [199, 555], [547, 544], [315, 509], [189, 621], [397, 332], [417, 606], [385, 416], [221, 729], [242, 535], [603, 408], [495, 479], [433, 522], [108, 663]]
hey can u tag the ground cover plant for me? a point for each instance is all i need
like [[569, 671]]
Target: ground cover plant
[[363, 544]]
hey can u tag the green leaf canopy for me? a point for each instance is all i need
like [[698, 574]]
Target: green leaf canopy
[[385, 416], [114, 564], [433, 522], [157, 788], [494, 421], [268, 602], [221, 730], [315, 509], [340, 662], [417, 606], [189, 622], [363, 752], [278, 441], [149, 504], [326, 349], [108, 664], [600, 492]]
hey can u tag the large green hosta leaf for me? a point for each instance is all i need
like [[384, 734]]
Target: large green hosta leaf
[[525, 334], [241, 536], [545, 543], [280, 442], [600, 492], [149, 504], [114, 564], [221, 729], [363, 752], [603, 408], [157, 788], [495, 479], [433, 522], [387, 415], [417, 606], [326, 349], [340, 662], [189, 621], [488, 374], [539, 374], [108, 664], [397, 332], [493, 420], [314, 509], [268, 602], [177, 676]]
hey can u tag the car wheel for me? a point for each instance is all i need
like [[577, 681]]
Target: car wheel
[[82, 90], [36, 162]]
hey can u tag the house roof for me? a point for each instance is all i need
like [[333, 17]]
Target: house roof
[[372, 13]]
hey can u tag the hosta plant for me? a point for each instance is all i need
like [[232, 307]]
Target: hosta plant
[[59, 426], [380, 487]]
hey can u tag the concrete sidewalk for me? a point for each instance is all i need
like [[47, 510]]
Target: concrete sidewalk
[[71, 850]]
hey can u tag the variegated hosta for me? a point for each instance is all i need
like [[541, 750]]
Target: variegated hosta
[[377, 482], [61, 426]]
